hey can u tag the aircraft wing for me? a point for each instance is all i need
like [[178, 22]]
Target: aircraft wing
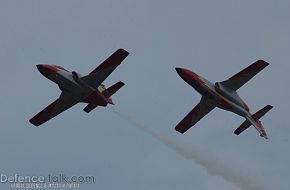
[[97, 76], [199, 111], [64, 102], [241, 78]]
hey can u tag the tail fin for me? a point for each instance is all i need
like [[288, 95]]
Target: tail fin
[[107, 93], [257, 123]]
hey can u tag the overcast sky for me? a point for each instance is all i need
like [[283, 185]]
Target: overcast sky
[[213, 38]]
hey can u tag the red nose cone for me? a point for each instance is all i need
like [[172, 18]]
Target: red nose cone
[[46, 70], [185, 74]]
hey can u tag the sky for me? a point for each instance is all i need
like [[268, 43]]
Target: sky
[[213, 38]]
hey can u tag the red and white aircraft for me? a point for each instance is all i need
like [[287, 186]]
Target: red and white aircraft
[[223, 95], [75, 88]]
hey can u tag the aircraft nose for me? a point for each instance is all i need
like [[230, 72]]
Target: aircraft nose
[[178, 70], [39, 67], [44, 69]]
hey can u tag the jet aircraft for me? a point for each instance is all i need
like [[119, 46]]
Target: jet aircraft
[[76, 88], [223, 95]]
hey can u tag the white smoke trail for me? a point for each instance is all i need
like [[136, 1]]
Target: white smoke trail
[[212, 165]]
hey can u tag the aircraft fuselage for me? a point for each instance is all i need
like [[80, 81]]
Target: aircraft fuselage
[[224, 97], [80, 89], [70, 82]]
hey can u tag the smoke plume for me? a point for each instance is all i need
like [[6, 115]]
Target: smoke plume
[[214, 167]]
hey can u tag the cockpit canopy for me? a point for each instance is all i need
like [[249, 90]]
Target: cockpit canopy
[[102, 87], [217, 86], [75, 75]]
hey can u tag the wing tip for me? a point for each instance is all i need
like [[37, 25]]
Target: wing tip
[[237, 132], [263, 63], [34, 122], [120, 83], [269, 106], [123, 51], [180, 129]]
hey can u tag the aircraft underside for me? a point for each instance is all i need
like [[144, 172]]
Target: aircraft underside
[[224, 96]]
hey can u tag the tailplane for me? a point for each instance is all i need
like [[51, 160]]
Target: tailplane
[[107, 93], [113, 89], [254, 120]]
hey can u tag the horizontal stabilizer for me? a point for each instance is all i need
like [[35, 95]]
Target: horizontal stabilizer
[[113, 89], [262, 112], [107, 94], [242, 127], [96, 97], [256, 117], [90, 107]]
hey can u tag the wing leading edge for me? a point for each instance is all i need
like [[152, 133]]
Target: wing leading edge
[[98, 75], [199, 111], [242, 77]]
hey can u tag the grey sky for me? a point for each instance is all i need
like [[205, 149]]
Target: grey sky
[[214, 38]]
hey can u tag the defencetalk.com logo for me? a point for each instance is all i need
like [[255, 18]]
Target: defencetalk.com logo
[[49, 181]]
